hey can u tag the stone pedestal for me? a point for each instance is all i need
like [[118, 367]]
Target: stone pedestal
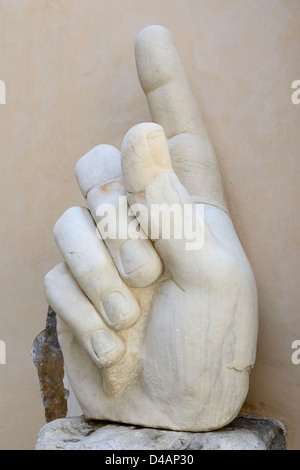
[[77, 433]]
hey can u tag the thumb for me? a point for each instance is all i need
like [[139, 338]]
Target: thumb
[[160, 202]]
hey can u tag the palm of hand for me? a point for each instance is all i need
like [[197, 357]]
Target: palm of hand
[[176, 350]]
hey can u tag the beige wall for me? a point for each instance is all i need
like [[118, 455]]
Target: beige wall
[[71, 84]]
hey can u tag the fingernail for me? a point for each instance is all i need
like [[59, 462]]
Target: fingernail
[[103, 343], [134, 254], [121, 313], [158, 148], [141, 264]]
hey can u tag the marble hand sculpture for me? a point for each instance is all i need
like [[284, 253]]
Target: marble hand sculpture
[[153, 333]]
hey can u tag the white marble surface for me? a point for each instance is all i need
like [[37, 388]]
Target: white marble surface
[[152, 333]]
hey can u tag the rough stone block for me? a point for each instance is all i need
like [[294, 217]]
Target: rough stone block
[[77, 433]]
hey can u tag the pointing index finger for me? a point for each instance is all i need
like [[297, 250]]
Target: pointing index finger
[[173, 106]]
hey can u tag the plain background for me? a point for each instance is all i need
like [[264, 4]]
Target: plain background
[[71, 84]]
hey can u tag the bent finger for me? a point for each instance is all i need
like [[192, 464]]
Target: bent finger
[[99, 176], [90, 263], [164, 208], [105, 347]]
